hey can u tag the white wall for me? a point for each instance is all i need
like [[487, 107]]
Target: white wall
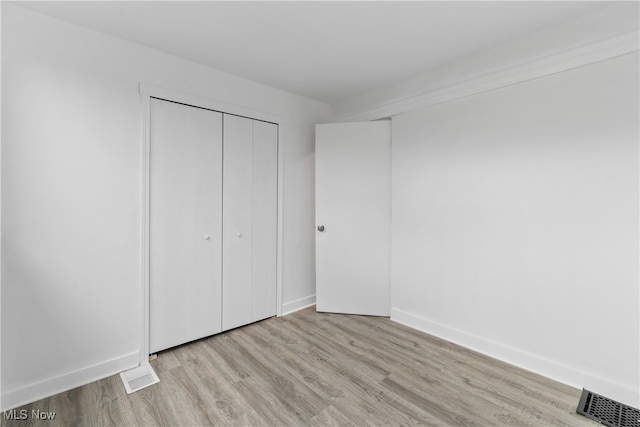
[[515, 224], [71, 213]]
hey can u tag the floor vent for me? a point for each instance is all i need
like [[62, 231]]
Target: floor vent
[[138, 378], [607, 411]]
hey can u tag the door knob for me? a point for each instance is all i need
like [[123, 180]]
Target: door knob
[[207, 237], [321, 228]]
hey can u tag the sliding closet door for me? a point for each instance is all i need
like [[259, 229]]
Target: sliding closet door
[[185, 246], [250, 221]]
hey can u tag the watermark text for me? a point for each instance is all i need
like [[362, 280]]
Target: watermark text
[[34, 414]]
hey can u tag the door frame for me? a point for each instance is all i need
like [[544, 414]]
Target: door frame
[[148, 91]]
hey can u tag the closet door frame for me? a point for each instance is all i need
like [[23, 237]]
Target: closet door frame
[[148, 91]]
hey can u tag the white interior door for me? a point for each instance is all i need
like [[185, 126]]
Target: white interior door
[[250, 207], [236, 295], [264, 220], [185, 242], [353, 218]]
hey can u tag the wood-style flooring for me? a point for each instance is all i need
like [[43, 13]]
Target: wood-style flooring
[[319, 369]]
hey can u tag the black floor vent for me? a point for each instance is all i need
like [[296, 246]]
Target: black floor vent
[[607, 411]]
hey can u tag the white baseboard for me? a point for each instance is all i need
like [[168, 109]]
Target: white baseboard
[[299, 304], [45, 388], [530, 362]]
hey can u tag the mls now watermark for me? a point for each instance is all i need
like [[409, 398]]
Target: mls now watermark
[[23, 414]]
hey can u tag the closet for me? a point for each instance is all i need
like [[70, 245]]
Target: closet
[[212, 222]]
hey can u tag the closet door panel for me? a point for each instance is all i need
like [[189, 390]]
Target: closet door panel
[[237, 226], [185, 241], [265, 219]]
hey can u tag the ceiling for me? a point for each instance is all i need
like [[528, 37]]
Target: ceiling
[[328, 51]]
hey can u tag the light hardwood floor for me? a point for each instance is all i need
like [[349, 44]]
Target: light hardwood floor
[[321, 369]]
